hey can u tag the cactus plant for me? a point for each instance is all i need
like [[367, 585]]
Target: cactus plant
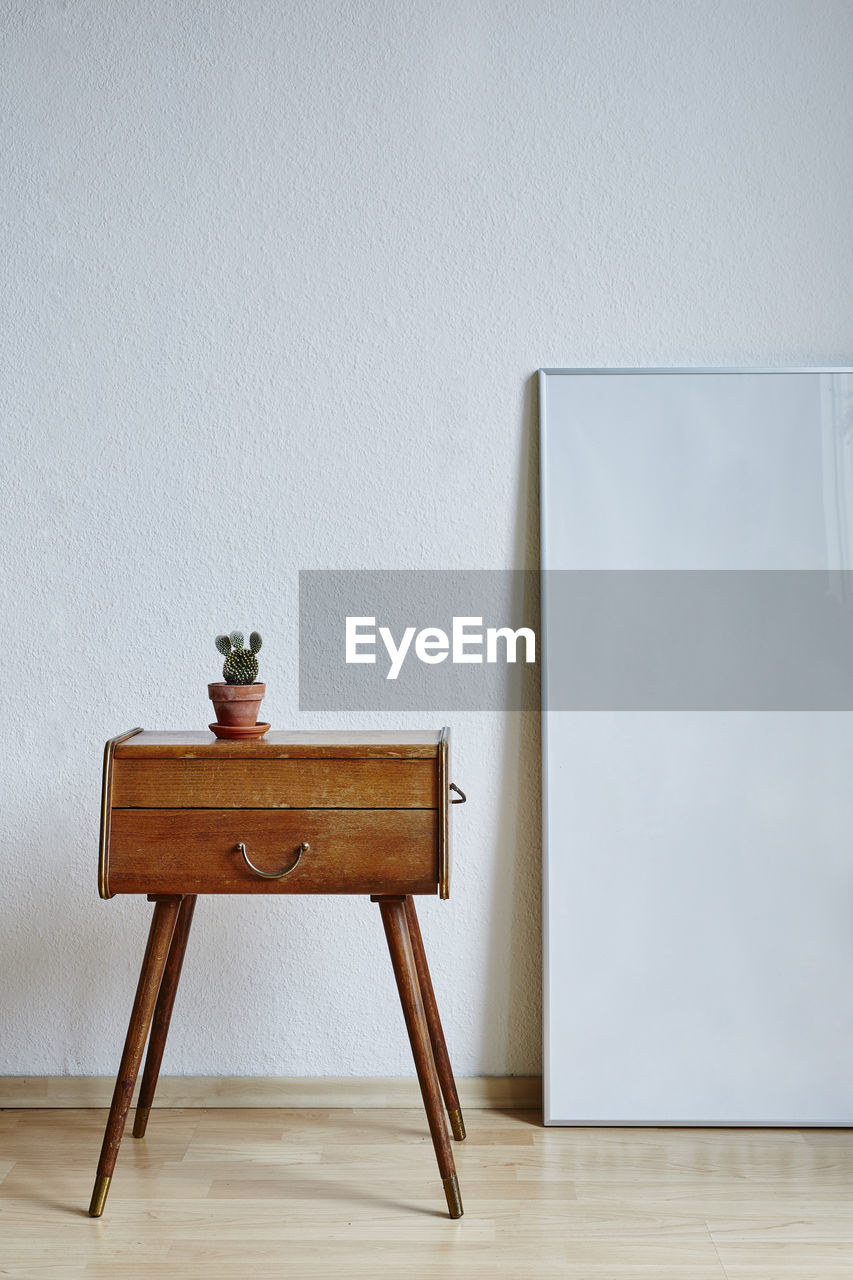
[[241, 665]]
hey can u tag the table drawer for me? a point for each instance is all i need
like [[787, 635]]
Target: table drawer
[[170, 850], [274, 784]]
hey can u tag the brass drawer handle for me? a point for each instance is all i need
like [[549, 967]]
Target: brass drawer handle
[[273, 875], [462, 796]]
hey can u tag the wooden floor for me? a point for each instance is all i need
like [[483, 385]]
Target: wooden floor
[[355, 1194]]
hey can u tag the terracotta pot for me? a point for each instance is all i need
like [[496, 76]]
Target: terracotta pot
[[236, 703]]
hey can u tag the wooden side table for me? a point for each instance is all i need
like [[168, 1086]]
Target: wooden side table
[[186, 813]]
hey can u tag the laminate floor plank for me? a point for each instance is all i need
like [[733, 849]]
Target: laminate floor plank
[[319, 1194]]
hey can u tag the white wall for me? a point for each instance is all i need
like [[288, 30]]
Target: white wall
[[275, 279]]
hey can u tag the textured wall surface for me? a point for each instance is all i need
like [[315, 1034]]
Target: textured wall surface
[[275, 279]]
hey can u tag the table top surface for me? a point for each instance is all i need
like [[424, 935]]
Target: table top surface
[[189, 744]]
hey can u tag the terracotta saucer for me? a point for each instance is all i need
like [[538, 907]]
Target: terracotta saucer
[[238, 731]]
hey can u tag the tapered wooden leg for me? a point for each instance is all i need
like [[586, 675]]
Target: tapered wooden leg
[[393, 911], [153, 964], [436, 1034], [163, 1016]]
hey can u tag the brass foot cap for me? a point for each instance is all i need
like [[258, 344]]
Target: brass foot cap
[[454, 1200], [457, 1124], [140, 1121], [99, 1196]]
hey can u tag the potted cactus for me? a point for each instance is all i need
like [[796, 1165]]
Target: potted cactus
[[237, 698]]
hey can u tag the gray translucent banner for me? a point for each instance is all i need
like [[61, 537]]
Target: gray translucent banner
[[441, 640], [423, 600]]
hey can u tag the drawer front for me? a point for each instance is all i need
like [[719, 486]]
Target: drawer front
[[274, 784], [195, 851]]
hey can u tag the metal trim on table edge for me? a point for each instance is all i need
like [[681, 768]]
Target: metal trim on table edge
[[444, 813], [106, 806]]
